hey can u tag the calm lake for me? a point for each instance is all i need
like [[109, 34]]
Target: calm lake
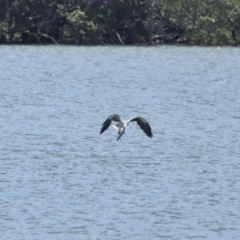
[[61, 179]]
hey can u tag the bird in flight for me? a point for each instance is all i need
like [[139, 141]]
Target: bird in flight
[[122, 125]]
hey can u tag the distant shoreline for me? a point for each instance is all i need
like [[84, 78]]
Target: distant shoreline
[[118, 22]]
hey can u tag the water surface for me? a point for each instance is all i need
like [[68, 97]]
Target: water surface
[[59, 179]]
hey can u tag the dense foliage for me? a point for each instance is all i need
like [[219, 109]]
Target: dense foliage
[[203, 22]]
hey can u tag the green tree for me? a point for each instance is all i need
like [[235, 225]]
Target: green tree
[[205, 22], [121, 21]]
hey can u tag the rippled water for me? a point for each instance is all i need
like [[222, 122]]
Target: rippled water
[[59, 179]]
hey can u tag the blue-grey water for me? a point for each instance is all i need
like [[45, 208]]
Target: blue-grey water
[[61, 179]]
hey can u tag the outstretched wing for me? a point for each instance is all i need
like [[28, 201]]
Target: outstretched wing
[[144, 125], [107, 123]]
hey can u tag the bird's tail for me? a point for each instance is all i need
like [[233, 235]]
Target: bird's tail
[[120, 134]]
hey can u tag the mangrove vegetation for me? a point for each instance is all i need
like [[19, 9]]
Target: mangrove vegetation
[[91, 22]]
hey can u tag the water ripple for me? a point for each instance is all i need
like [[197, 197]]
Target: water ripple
[[61, 179]]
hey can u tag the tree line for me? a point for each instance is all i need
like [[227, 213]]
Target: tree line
[[90, 22]]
